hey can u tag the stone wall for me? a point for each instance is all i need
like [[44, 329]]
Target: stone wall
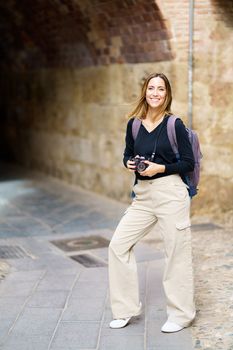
[[213, 104], [66, 116]]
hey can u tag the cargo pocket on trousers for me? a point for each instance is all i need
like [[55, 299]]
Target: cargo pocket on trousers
[[183, 225]]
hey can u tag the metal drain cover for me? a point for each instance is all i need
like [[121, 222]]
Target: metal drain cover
[[82, 243], [88, 260], [12, 252], [205, 227]]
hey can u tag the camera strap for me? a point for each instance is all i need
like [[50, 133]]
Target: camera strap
[[156, 141]]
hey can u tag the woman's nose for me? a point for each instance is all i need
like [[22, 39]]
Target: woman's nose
[[155, 92]]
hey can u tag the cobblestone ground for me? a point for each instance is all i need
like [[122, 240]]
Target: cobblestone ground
[[213, 268], [4, 268]]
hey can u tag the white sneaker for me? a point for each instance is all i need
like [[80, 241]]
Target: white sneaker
[[122, 322], [170, 327]]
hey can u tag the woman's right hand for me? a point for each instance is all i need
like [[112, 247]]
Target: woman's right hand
[[131, 165]]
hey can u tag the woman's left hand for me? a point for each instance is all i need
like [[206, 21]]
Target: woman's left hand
[[152, 169]]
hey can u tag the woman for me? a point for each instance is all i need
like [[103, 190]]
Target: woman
[[160, 197]]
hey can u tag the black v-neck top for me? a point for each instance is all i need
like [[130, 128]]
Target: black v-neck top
[[144, 146]]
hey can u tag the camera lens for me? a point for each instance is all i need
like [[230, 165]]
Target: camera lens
[[141, 166]]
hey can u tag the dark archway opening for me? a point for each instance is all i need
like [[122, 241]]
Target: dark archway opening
[[66, 34]]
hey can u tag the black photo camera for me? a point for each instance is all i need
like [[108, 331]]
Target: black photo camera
[[140, 163]]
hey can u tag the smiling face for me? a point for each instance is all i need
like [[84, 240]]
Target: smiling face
[[156, 92]]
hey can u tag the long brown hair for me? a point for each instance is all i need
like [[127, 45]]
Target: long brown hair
[[142, 106]]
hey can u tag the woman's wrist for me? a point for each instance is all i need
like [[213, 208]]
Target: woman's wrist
[[162, 169]]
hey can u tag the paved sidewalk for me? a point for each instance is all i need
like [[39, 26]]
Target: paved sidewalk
[[48, 300]]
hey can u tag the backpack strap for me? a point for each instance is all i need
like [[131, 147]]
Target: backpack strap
[[171, 133], [135, 127]]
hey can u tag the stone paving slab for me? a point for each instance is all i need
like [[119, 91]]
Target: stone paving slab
[[9, 288], [76, 335], [48, 299], [29, 343], [92, 289], [50, 302], [84, 309], [117, 342], [54, 282], [36, 322], [25, 276]]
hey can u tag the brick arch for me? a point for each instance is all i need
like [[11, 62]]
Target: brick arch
[[128, 31], [80, 33], [224, 10]]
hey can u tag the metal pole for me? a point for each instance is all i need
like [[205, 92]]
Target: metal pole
[[190, 64]]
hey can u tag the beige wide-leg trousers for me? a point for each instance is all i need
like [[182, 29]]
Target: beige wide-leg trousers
[[164, 201]]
